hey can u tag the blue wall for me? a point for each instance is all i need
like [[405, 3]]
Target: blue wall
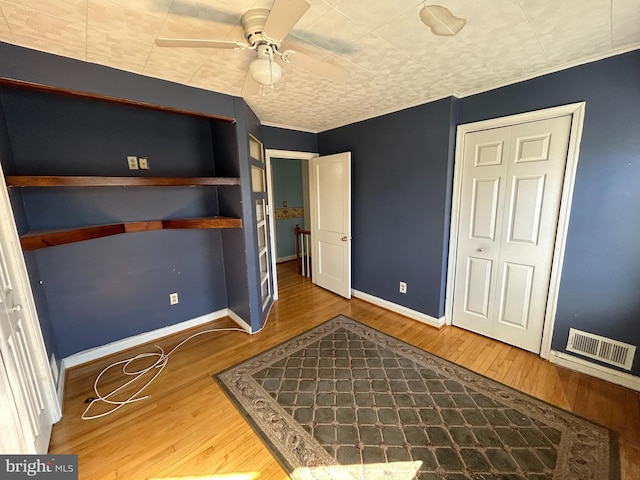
[[248, 123], [103, 290], [401, 183], [285, 139], [287, 187], [20, 63], [231, 205], [15, 196], [55, 134], [402, 191], [402, 164], [600, 287]]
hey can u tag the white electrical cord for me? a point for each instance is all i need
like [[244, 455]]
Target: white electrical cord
[[159, 364]]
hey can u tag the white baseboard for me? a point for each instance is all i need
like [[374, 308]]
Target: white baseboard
[[239, 320], [285, 259], [62, 376], [595, 370], [129, 342], [394, 307]]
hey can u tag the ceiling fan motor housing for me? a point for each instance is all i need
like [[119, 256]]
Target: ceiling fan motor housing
[[253, 22]]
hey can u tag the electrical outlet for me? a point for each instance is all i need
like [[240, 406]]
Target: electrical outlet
[[133, 162], [173, 298], [144, 163], [403, 287]]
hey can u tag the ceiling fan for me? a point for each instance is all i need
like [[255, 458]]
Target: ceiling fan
[[264, 31]]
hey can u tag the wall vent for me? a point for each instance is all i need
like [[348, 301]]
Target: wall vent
[[601, 348]]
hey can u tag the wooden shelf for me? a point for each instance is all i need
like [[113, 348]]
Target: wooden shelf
[[216, 222], [51, 238], [35, 240], [95, 181], [32, 86]]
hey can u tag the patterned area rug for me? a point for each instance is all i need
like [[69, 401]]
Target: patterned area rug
[[344, 400]]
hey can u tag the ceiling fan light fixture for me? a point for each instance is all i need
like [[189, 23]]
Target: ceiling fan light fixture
[[265, 71], [441, 21]]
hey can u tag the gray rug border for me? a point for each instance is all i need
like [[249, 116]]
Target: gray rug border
[[614, 457], [286, 465]]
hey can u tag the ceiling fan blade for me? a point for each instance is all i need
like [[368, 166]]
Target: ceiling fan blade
[[250, 87], [196, 43], [283, 16], [316, 66]]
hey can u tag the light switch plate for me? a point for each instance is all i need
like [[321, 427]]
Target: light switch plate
[[133, 162], [173, 298]]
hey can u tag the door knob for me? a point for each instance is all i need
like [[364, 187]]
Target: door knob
[[17, 308], [481, 249], [345, 238]]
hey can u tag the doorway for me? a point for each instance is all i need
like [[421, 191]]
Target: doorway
[[513, 182], [291, 203], [273, 157], [329, 206]]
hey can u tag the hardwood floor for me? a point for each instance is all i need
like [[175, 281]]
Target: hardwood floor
[[189, 429]]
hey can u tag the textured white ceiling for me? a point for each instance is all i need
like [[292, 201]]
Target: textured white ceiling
[[395, 61]]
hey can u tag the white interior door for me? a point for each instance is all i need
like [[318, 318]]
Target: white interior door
[[512, 180], [26, 382], [330, 191]]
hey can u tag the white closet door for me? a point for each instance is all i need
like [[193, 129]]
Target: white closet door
[[511, 189], [27, 390]]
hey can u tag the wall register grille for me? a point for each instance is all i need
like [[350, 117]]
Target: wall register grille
[[604, 349]]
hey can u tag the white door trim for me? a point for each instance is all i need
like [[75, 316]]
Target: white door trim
[[38, 351], [269, 154], [12, 439], [576, 110]]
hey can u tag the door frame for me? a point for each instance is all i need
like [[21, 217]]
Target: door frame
[[577, 111], [290, 155]]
